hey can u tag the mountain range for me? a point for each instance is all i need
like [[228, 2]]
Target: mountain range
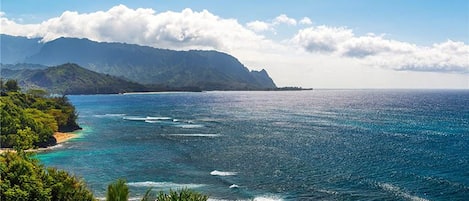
[[153, 67]]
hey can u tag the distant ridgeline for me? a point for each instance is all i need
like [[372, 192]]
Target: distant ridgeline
[[127, 67], [68, 79]]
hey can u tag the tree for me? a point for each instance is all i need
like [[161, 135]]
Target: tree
[[21, 178], [66, 187], [24, 139], [117, 191], [11, 85], [181, 195], [42, 115], [24, 178]]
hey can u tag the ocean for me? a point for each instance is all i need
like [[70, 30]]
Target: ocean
[[277, 145]]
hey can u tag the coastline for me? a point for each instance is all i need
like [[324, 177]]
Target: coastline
[[60, 138], [64, 137]]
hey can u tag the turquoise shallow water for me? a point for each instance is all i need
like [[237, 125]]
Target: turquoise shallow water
[[301, 145]]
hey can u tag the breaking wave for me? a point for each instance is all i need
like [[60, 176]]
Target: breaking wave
[[221, 173], [194, 135], [164, 185], [399, 192]]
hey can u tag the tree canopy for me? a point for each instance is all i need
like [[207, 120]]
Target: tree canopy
[[30, 120], [24, 178]]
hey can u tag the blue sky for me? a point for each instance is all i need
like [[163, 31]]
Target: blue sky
[[321, 44], [420, 21]]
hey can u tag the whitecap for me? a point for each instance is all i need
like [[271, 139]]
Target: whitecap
[[189, 126], [268, 198], [234, 186], [397, 191], [152, 121], [158, 118], [194, 135], [163, 185], [221, 173], [135, 118], [108, 115]]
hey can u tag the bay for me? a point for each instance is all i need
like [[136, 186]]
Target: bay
[[290, 145]]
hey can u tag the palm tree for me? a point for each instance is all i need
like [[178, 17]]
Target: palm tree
[[117, 191]]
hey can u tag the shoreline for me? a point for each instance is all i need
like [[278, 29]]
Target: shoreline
[[64, 137], [60, 138]]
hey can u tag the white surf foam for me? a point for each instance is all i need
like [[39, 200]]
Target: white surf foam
[[163, 185], [47, 148], [152, 121], [135, 118], [188, 126], [158, 118], [194, 135], [108, 115], [259, 198], [268, 198], [221, 173], [397, 191]]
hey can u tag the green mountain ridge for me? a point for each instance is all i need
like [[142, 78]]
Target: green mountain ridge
[[71, 79], [160, 68]]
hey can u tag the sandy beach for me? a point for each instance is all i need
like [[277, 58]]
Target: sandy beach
[[63, 137], [59, 137]]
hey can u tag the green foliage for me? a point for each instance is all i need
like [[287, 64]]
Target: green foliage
[[70, 79], [117, 191], [37, 92], [29, 121], [23, 178], [148, 196], [44, 119], [24, 139], [11, 85], [181, 195], [66, 187]]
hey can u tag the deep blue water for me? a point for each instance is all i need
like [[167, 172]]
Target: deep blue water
[[301, 145]]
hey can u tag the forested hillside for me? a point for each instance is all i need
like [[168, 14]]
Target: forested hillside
[[30, 120], [69, 79]]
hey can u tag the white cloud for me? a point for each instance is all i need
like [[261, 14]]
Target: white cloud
[[284, 19], [322, 39], [175, 30], [259, 26], [306, 21], [12, 28], [374, 50]]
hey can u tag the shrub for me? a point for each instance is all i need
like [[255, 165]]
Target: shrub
[[24, 178]]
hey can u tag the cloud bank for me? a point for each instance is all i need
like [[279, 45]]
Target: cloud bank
[[176, 30], [190, 29], [449, 56]]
